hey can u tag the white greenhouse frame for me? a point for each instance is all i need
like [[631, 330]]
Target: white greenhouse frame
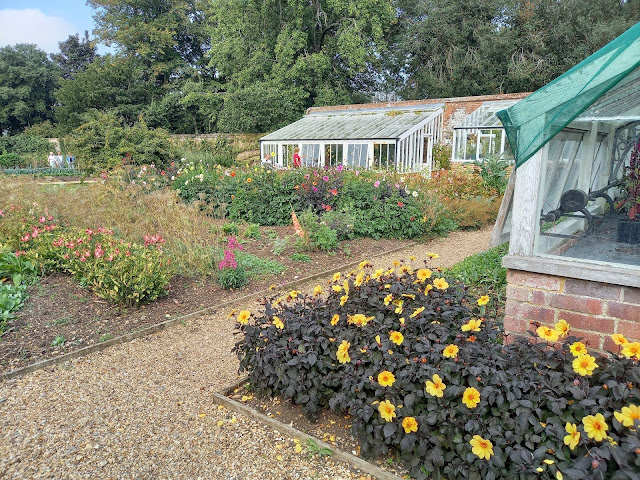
[[480, 134], [373, 138]]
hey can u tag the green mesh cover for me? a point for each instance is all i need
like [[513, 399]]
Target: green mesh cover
[[535, 120]]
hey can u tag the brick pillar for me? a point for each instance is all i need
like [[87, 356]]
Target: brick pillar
[[594, 310]]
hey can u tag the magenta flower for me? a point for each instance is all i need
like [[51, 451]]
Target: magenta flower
[[325, 178], [377, 183]]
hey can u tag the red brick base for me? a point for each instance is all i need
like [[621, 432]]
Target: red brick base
[[594, 310]]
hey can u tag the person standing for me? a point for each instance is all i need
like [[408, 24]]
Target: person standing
[[70, 161], [52, 160], [59, 160], [297, 163]]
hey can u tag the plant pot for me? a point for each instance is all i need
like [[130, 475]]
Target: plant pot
[[628, 231]]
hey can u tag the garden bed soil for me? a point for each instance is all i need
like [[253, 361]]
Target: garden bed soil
[[329, 427], [60, 317]]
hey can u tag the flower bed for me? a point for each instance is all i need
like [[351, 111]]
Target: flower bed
[[126, 273], [424, 372], [374, 204]]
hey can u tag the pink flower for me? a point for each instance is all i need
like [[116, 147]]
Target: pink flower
[[377, 183], [315, 189], [333, 191], [325, 178], [50, 217], [357, 173], [42, 220], [232, 244], [229, 260], [89, 232], [66, 256], [400, 204], [1, 213]]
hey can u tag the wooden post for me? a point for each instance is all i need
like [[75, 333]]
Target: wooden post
[[526, 205], [496, 235]]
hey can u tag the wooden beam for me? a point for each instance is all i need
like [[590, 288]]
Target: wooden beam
[[526, 205], [498, 227]]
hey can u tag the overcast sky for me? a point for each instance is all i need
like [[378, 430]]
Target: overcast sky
[[43, 22]]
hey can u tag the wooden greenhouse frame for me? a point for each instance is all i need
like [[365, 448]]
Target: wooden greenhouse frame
[[573, 141]]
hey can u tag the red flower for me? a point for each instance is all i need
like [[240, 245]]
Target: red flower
[[400, 204], [233, 174]]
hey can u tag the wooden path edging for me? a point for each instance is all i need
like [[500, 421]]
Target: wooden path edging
[[174, 321], [338, 454]]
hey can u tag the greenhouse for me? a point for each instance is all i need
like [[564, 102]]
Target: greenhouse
[[481, 134], [372, 138], [574, 221]]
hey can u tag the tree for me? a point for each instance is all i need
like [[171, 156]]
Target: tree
[[474, 47], [321, 51], [191, 107], [27, 82], [261, 107], [110, 83], [166, 36], [75, 55]]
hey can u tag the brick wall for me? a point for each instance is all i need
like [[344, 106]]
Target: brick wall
[[594, 310]]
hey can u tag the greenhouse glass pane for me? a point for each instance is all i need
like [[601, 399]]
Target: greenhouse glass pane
[[310, 154], [357, 155]]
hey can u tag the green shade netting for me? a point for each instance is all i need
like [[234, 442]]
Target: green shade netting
[[535, 120]]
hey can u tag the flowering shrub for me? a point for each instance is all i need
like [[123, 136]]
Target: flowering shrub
[[378, 206], [230, 275], [125, 273], [424, 373]]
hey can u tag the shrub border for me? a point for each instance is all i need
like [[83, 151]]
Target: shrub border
[[356, 462], [173, 321]]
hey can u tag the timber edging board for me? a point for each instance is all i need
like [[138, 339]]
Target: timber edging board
[[338, 454], [174, 321]]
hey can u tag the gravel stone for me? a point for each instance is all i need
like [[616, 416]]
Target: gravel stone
[[144, 409]]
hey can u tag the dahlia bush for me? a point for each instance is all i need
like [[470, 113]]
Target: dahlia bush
[[426, 375]]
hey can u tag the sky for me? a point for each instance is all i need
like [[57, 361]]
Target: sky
[[43, 22]]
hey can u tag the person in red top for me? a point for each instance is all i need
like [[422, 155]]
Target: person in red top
[[296, 158]]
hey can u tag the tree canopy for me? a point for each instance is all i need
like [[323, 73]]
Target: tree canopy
[[75, 55], [193, 66], [26, 87]]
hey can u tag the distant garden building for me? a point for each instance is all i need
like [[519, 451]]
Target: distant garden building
[[379, 138], [399, 136]]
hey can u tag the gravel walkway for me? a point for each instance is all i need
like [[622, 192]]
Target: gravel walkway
[[144, 409]]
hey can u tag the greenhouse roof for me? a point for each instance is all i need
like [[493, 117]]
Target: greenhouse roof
[[485, 115], [604, 86], [356, 125]]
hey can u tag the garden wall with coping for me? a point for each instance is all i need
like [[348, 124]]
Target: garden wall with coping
[[594, 310]]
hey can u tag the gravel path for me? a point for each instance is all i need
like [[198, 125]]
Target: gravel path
[[144, 409]]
